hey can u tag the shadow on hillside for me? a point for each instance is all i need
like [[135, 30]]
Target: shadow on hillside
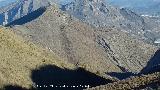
[[28, 18], [12, 87], [54, 78], [153, 65], [120, 75], [65, 78]]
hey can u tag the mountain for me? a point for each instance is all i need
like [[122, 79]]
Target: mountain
[[19, 9], [5, 2], [96, 13], [18, 57], [99, 13], [98, 50], [88, 43], [26, 66], [144, 7]]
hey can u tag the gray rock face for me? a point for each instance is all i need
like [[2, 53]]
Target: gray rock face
[[19, 9], [94, 12], [100, 14]]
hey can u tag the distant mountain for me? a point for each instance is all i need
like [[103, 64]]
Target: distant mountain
[[5, 2], [19, 9], [98, 13], [95, 12], [149, 7]]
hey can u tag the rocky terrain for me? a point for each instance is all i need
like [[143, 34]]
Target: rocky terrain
[[25, 65], [144, 82], [19, 9], [96, 49], [100, 14], [70, 46], [96, 13]]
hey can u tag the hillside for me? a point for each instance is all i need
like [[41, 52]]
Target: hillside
[[19, 57], [86, 42], [99, 13], [99, 50], [145, 82], [96, 13]]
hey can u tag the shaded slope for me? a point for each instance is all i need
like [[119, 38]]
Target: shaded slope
[[99, 50], [29, 17], [19, 57], [153, 65], [55, 76], [134, 83], [51, 77], [19, 9]]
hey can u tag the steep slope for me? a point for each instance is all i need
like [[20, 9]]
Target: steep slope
[[98, 50], [145, 82], [19, 9], [100, 14], [19, 57], [95, 12]]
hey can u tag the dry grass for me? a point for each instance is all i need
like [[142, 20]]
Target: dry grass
[[133, 83], [19, 57]]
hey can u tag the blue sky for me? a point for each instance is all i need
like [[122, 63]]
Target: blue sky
[[140, 2], [5, 2]]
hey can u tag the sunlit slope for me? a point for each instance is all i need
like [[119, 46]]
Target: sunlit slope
[[18, 58], [98, 50]]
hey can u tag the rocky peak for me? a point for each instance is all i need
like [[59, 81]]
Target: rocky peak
[[99, 13], [94, 12]]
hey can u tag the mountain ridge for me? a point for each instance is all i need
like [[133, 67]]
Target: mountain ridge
[[101, 14], [77, 42], [50, 42], [18, 57]]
